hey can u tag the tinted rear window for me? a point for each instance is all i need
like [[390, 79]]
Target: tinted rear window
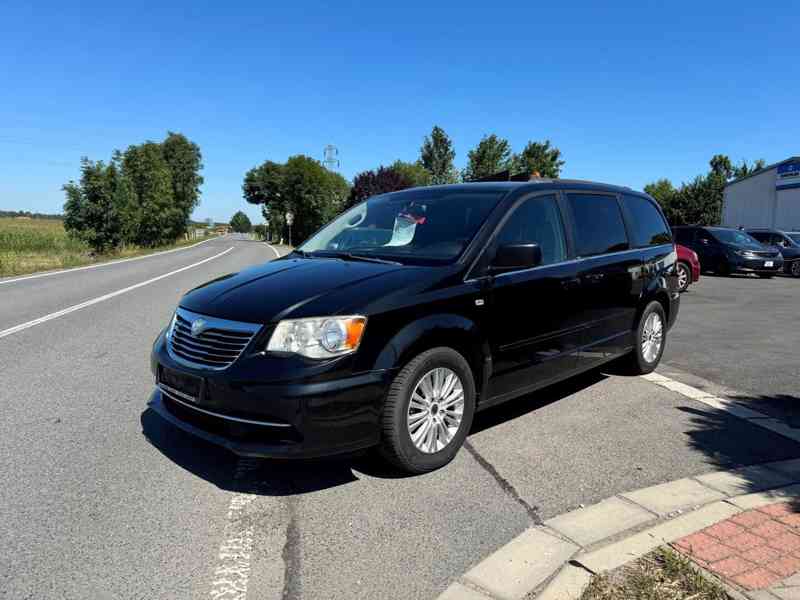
[[598, 224], [648, 226]]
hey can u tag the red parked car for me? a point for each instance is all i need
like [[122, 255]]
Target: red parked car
[[688, 267]]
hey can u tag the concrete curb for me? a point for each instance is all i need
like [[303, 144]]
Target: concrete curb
[[555, 561]]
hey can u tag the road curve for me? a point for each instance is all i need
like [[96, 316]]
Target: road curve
[[102, 499]]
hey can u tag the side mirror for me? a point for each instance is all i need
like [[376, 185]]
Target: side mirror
[[517, 256]]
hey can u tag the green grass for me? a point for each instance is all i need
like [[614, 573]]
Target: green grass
[[32, 245], [662, 575]]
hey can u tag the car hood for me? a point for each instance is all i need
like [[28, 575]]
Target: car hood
[[281, 288]]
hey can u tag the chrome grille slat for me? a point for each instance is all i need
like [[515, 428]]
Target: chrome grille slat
[[189, 350], [239, 341], [203, 344], [215, 348]]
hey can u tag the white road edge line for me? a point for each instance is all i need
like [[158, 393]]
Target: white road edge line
[[103, 264], [71, 309], [735, 409], [277, 254]]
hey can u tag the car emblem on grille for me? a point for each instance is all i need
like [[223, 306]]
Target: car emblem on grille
[[198, 327]]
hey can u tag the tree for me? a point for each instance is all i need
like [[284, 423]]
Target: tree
[[262, 184], [185, 162], [260, 230], [541, 158], [152, 213], [413, 172], [240, 223], [490, 156], [93, 211], [437, 155], [371, 183], [313, 193], [743, 170]]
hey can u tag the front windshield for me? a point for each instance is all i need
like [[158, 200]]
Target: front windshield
[[423, 223], [795, 237], [737, 238]]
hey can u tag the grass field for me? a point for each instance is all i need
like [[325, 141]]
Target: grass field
[[31, 245]]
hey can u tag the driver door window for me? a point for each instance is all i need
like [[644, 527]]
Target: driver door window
[[537, 220]]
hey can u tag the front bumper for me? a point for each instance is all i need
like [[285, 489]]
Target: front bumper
[[756, 265], [297, 418]]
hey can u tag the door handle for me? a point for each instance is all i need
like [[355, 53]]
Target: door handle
[[570, 284], [595, 277]]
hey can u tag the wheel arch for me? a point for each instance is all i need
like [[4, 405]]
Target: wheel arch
[[446, 330]]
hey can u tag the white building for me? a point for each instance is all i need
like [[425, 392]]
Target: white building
[[767, 198]]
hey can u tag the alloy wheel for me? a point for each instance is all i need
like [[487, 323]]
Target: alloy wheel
[[652, 337], [796, 268], [683, 277], [435, 410]]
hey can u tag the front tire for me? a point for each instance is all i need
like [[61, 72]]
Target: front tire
[[684, 276], [766, 275], [795, 269], [650, 339], [428, 411]]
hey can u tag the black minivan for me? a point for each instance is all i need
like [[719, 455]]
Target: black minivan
[[406, 314]]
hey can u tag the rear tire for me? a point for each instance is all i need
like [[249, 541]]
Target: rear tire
[[795, 269], [724, 268], [426, 434], [649, 339], [766, 275], [684, 276]]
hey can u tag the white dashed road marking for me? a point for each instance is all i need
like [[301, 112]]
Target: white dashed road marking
[[76, 307], [232, 572]]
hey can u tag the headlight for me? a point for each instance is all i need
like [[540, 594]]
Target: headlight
[[322, 337]]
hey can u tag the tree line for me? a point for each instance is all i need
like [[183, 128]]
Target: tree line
[[143, 196], [315, 195], [699, 201]]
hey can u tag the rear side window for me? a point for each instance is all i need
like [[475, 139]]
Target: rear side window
[[761, 236], [649, 227], [537, 220], [598, 224]]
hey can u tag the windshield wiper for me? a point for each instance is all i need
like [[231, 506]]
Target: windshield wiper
[[361, 257]]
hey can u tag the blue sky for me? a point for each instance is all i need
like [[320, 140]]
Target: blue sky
[[630, 91]]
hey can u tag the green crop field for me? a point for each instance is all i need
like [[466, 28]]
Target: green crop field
[[31, 245], [28, 245]]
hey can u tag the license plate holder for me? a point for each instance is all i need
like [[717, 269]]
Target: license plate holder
[[769, 263], [189, 386]]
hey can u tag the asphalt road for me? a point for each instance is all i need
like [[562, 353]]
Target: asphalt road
[[743, 334], [102, 499]]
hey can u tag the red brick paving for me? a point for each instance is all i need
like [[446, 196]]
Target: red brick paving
[[753, 549]]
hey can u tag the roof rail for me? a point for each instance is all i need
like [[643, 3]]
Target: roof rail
[[507, 176]]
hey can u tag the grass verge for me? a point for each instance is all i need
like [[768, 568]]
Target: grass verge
[[661, 575], [33, 245]]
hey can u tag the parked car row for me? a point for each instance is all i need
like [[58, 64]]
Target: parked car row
[[723, 250]]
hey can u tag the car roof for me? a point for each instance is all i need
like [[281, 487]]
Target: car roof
[[542, 184]]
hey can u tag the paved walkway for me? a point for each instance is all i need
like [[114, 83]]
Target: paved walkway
[[756, 549]]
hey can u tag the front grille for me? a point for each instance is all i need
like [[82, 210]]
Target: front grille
[[216, 345]]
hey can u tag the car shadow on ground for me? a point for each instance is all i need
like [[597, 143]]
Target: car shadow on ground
[[298, 476]]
